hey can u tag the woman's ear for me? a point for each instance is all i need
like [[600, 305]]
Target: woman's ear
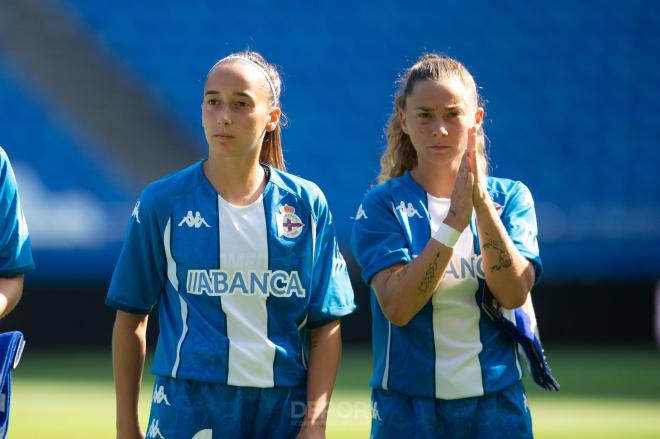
[[404, 122], [274, 119], [479, 115]]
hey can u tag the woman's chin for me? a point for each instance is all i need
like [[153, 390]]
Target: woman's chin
[[442, 158]]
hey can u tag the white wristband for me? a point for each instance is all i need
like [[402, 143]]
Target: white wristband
[[446, 235]]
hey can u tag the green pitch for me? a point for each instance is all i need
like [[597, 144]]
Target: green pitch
[[606, 393]]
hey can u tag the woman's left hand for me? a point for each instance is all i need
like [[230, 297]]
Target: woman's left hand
[[479, 193]]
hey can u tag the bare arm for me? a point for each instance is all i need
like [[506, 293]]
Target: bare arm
[[129, 346], [324, 356], [402, 290], [509, 275], [11, 290]]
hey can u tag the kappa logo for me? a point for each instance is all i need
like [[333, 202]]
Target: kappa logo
[[160, 396], [361, 214], [136, 212], [194, 221], [339, 263], [288, 223], [154, 431], [374, 412], [408, 209]]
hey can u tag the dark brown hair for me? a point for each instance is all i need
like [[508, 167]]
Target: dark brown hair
[[271, 148]]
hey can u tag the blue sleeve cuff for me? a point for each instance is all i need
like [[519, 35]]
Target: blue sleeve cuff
[[396, 257], [129, 309], [336, 314], [17, 271]]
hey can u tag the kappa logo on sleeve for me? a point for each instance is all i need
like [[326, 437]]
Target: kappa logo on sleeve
[[136, 212], [360, 214]]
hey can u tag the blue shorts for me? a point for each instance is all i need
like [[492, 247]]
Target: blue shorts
[[185, 409], [504, 414]]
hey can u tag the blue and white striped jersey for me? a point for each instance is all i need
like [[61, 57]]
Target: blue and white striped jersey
[[15, 250], [238, 287], [450, 349]]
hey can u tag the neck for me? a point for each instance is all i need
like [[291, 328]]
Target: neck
[[239, 180], [437, 180]]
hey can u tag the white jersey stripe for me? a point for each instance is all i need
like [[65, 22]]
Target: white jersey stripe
[[386, 372], [184, 331], [172, 278], [456, 315], [244, 247], [171, 263], [313, 238], [301, 327]]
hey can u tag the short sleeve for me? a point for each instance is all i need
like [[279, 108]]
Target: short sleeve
[[139, 275], [378, 241], [332, 293], [15, 249], [519, 219]]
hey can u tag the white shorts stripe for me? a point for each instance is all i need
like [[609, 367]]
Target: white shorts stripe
[[386, 372]]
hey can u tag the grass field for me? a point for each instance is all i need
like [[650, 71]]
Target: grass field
[[606, 393]]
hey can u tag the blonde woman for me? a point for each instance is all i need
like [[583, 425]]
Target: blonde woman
[[434, 240]]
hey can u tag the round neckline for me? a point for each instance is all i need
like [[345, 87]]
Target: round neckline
[[409, 176], [440, 199], [269, 175], [239, 207]]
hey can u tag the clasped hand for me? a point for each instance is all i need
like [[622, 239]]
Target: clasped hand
[[469, 190]]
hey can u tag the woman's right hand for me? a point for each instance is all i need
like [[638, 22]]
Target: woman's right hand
[[460, 207], [133, 432]]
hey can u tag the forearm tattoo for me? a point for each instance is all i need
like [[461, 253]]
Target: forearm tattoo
[[401, 273], [429, 276], [505, 260]]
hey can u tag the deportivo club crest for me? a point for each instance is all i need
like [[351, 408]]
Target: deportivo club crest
[[288, 223]]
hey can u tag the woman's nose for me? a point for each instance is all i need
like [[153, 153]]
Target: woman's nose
[[223, 117], [440, 130]]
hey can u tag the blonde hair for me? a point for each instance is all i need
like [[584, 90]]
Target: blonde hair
[[400, 155], [271, 148]]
